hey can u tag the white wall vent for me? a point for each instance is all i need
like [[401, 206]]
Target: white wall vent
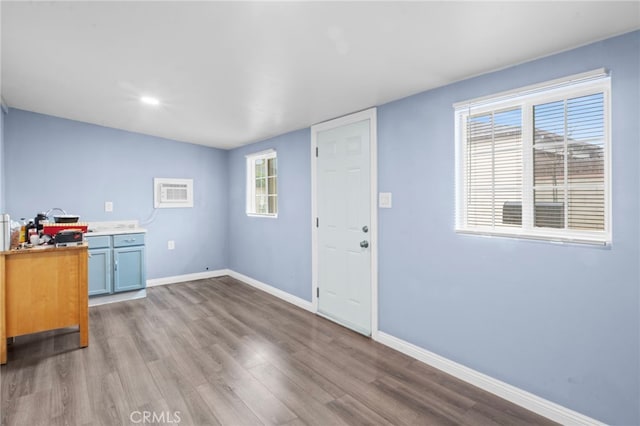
[[171, 193]]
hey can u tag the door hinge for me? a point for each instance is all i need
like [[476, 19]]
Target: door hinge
[[316, 152], [317, 291], [317, 222]]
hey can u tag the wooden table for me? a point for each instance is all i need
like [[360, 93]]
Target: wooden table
[[43, 289]]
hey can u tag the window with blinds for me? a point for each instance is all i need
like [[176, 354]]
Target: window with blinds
[[568, 163], [534, 163], [494, 168]]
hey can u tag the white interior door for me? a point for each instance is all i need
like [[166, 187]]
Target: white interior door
[[343, 185]]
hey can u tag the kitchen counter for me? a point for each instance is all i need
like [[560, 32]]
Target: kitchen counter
[[115, 231], [43, 289], [97, 229]]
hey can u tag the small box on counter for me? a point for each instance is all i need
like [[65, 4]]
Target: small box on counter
[[69, 237]]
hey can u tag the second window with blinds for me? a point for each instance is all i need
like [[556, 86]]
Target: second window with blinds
[[262, 184], [535, 163]]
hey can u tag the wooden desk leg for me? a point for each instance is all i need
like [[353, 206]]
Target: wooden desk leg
[[84, 335], [84, 322], [3, 315], [84, 299]]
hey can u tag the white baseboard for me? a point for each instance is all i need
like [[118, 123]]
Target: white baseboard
[[527, 400], [294, 300], [301, 303], [187, 277], [117, 297]]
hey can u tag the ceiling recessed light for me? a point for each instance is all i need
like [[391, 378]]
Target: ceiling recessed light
[[149, 100]]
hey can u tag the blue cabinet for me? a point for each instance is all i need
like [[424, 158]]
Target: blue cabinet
[[116, 263], [128, 267], [99, 271]]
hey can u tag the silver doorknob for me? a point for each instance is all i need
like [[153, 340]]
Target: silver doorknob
[[364, 244], [365, 229]]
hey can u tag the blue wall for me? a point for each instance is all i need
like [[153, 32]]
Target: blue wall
[[53, 162], [274, 251], [559, 321]]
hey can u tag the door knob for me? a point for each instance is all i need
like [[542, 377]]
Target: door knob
[[365, 229], [364, 244]]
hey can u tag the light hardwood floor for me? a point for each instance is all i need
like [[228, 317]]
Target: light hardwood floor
[[218, 351]]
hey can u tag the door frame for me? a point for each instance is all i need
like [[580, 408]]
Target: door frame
[[371, 115]]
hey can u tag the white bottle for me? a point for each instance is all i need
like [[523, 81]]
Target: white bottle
[[5, 232]]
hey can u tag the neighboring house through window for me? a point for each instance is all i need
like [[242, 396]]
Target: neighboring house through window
[[534, 163], [262, 184]]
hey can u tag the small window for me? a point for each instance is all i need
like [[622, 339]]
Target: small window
[[262, 184], [534, 163]]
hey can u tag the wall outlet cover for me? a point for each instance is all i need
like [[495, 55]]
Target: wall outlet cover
[[108, 206]]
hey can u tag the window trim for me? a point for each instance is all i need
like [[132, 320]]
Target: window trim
[[525, 98], [250, 205]]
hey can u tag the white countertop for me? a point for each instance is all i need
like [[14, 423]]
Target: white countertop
[[97, 229], [115, 232]]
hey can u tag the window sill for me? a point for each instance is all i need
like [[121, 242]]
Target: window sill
[[594, 240], [266, 216]]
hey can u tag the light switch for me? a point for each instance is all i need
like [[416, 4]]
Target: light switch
[[171, 245], [384, 200], [108, 206]]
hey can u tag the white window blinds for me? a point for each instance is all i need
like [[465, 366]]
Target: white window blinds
[[536, 165], [569, 163], [494, 168]]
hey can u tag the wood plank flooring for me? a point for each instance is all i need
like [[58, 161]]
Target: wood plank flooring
[[218, 351]]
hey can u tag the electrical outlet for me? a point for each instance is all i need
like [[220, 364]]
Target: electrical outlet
[[108, 206], [171, 245]]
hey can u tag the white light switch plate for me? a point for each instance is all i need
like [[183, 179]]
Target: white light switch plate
[[108, 206], [171, 245], [384, 200]]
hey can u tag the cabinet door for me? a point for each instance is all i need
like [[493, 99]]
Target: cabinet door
[[129, 268], [99, 271]]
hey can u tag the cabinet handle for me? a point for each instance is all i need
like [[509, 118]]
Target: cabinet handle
[[115, 265]]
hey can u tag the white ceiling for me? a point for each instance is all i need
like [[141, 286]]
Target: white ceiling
[[231, 73]]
